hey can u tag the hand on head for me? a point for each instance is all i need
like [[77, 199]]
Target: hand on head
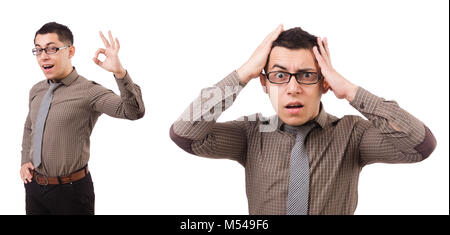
[[255, 64]]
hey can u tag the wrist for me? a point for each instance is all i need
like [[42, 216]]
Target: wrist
[[120, 74], [351, 92], [244, 76]]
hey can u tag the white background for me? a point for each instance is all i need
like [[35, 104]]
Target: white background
[[395, 49]]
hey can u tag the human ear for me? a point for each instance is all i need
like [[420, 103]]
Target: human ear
[[262, 79], [71, 52], [325, 86]]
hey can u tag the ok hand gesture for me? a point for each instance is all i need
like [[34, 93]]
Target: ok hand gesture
[[111, 52]]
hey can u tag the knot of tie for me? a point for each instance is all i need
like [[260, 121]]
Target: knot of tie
[[300, 131]]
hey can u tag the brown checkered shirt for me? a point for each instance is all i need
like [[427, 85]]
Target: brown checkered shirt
[[338, 148], [74, 110]]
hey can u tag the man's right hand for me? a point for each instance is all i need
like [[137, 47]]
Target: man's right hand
[[254, 66], [25, 172]]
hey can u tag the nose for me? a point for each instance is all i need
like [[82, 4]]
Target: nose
[[293, 87]]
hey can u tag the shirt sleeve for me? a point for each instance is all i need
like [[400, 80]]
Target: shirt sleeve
[[129, 105], [391, 135], [26, 139], [198, 133]]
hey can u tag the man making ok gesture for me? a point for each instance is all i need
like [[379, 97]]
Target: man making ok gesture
[[63, 110]]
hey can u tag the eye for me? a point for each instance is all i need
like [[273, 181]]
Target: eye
[[309, 76], [36, 51], [52, 49], [280, 75]]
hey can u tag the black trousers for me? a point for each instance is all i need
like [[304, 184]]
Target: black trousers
[[77, 198]]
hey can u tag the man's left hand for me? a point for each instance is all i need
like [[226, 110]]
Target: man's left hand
[[111, 52], [341, 87]]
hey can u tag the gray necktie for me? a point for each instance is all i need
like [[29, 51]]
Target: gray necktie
[[40, 123], [298, 194]]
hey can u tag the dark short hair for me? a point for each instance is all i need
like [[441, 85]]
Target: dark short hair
[[295, 38], [63, 32]]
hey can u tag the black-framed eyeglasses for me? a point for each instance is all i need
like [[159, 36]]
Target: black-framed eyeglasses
[[302, 77], [49, 50]]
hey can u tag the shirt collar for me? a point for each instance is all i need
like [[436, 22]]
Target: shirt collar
[[322, 117], [70, 78]]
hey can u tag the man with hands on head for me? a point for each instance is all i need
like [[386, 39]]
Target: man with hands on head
[[63, 110], [302, 160]]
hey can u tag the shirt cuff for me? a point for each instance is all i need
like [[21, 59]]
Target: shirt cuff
[[364, 101], [125, 80], [125, 84]]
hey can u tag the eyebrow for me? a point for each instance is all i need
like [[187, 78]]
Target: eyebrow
[[306, 70], [279, 66], [46, 45], [299, 70]]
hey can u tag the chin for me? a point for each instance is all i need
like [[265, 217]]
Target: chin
[[52, 76], [293, 121], [48, 76]]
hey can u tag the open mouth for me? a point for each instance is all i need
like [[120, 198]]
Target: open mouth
[[294, 107], [47, 67]]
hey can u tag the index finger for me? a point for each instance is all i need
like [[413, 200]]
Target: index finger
[[319, 57], [325, 40], [104, 40], [322, 50]]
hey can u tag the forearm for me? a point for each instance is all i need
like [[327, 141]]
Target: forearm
[[350, 91], [120, 74], [197, 120], [198, 133], [404, 131], [131, 105], [26, 142]]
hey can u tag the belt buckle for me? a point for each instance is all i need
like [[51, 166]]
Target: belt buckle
[[46, 180]]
